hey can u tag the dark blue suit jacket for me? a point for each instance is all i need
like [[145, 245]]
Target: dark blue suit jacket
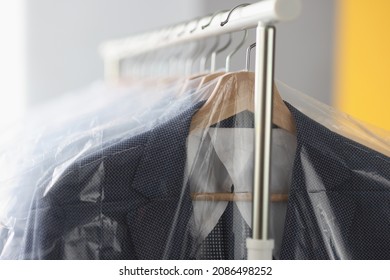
[[339, 202], [129, 201], [120, 203]]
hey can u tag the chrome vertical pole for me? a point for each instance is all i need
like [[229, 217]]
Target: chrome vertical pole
[[264, 76]]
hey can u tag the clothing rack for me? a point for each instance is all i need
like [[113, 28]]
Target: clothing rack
[[262, 15]]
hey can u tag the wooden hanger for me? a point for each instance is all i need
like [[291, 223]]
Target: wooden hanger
[[234, 93], [190, 81], [202, 80], [247, 197], [209, 78]]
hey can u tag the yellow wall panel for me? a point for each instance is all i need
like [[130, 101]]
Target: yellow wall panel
[[363, 60]]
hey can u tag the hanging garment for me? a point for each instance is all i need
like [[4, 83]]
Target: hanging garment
[[123, 203], [129, 197], [93, 176], [109, 205], [339, 198], [60, 142], [220, 160]]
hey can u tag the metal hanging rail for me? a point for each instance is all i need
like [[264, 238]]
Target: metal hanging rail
[[266, 12], [262, 15]]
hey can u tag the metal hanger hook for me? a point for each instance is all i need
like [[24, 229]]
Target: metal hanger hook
[[248, 56], [231, 11], [203, 60], [226, 45], [235, 50], [212, 17], [214, 54]]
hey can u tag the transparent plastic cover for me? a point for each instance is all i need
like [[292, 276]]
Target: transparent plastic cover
[[122, 175]]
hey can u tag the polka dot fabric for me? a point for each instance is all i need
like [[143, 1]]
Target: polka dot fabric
[[123, 202], [227, 241], [339, 202], [129, 201]]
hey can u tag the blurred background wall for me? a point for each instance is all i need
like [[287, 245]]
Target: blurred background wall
[[51, 47], [63, 37]]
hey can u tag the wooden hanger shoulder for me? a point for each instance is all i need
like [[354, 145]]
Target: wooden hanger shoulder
[[234, 93], [208, 78], [190, 82]]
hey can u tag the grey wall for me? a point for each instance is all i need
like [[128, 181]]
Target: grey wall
[[304, 52], [64, 35]]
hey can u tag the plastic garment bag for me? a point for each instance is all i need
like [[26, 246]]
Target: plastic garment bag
[[107, 202], [153, 190], [339, 198], [113, 115], [94, 176], [222, 162], [55, 144]]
